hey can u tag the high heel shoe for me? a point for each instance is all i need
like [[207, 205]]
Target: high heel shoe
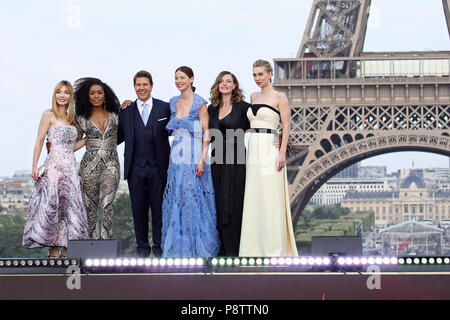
[[52, 257], [63, 254]]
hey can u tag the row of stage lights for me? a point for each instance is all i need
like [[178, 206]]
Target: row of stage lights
[[223, 262], [23, 263], [262, 262]]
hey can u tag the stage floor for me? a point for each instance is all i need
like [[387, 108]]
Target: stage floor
[[228, 286]]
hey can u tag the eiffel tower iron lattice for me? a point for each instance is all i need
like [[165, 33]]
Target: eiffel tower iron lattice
[[347, 105]]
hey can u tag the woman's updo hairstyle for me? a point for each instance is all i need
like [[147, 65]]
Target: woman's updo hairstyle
[[263, 63], [188, 71]]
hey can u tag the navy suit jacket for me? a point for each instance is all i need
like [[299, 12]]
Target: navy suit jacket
[[161, 138]]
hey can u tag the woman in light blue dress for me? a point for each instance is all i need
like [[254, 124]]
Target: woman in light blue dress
[[188, 209]]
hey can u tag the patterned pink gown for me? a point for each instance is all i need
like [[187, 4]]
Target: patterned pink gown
[[56, 212]]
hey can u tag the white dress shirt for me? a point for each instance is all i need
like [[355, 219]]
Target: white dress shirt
[[140, 105]]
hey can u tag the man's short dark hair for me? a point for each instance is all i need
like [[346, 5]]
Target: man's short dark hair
[[143, 74]]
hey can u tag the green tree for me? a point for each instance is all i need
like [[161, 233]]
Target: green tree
[[11, 234], [123, 226]]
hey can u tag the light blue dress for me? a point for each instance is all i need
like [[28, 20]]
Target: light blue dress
[[188, 209]]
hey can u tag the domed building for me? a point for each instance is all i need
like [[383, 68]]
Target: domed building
[[412, 202]]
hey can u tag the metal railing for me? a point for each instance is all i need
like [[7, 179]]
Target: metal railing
[[364, 68]]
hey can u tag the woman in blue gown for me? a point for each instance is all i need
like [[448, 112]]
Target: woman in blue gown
[[188, 210]]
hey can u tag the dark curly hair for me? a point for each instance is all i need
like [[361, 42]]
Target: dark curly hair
[[82, 105]]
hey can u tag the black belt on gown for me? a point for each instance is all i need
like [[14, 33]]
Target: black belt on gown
[[263, 130]]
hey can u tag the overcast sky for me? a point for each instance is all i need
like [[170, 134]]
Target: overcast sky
[[43, 42]]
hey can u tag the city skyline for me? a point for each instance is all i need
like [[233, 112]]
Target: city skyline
[[46, 41]]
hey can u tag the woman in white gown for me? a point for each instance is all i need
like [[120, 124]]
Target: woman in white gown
[[266, 223]]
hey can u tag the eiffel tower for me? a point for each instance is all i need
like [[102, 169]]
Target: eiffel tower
[[347, 105]]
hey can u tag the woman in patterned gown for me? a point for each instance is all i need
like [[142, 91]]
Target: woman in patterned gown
[[97, 109], [56, 212], [266, 222], [188, 210]]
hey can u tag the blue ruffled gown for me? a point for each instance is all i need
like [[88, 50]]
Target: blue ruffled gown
[[188, 209]]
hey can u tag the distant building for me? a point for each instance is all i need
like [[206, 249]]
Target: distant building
[[413, 202], [372, 172], [123, 187], [12, 200], [332, 192], [349, 172], [22, 175], [412, 238]]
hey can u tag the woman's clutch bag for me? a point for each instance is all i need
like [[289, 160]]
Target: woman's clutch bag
[[41, 171]]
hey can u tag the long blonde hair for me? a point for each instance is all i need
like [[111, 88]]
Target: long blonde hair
[[70, 109], [216, 96]]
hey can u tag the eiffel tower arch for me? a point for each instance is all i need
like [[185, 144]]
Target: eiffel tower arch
[[347, 105]]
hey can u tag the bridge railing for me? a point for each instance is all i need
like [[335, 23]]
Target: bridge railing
[[305, 70]]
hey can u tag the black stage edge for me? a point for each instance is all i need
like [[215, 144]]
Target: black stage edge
[[231, 286]]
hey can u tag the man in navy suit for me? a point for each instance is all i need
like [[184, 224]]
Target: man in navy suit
[[142, 126]]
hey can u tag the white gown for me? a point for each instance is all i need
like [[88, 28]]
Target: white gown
[[266, 222]]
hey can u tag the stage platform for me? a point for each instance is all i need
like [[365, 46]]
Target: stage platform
[[229, 286]]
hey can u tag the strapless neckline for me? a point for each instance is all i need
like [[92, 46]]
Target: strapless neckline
[[257, 106]]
